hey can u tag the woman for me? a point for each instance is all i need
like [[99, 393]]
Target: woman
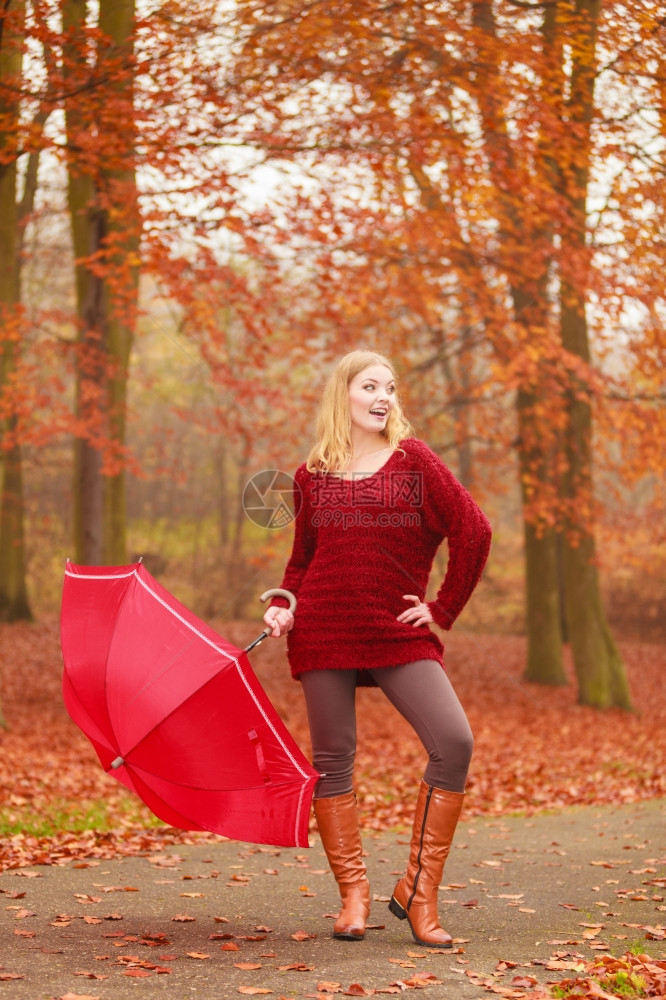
[[375, 504]]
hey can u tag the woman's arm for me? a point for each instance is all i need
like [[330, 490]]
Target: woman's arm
[[452, 512], [305, 538]]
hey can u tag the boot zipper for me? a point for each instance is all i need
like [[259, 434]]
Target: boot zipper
[[418, 860]]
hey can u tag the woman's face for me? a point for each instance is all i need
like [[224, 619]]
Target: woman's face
[[371, 390]]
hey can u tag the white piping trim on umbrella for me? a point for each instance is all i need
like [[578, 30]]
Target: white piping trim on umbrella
[[196, 631], [101, 576]]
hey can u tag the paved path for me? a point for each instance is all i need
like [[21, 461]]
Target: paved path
[[518, 890]]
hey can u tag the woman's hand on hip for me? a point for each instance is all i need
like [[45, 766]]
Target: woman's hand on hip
[[281, 620], [418, 615]]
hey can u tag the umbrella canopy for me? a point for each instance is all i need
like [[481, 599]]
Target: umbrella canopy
[[176, 713]]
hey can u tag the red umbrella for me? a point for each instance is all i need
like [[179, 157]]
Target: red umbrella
[[176, 713]]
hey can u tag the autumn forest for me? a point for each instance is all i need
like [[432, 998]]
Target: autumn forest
[[202, 206]]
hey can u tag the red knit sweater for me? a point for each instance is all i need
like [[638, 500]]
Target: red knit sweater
[[360, 544]]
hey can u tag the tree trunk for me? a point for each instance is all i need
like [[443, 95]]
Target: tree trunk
[[14, 603], [223, 494], [544, 639], [459, 382], [601, 677], [544, 664], [85, 224], [103, 214], [237, 596], [91, 390], [116, 21]]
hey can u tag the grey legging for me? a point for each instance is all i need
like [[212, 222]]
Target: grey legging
[[423, 695]]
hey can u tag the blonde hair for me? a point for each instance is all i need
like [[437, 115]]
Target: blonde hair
[[333, 443]]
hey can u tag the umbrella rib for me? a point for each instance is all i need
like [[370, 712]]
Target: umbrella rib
[[198, 788], [115, 625]]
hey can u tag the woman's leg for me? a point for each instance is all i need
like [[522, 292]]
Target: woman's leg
[[423, 694], [330, 699]]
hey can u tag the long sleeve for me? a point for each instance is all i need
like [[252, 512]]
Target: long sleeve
[[451, 512], [305, 538]]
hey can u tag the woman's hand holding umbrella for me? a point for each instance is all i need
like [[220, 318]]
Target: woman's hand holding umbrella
[[281, 620]]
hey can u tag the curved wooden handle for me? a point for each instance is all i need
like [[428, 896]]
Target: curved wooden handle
[[279, 592]]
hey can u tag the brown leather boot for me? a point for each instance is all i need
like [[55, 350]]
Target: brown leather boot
[[337, 821], [415, 895]]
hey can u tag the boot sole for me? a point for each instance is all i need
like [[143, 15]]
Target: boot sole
[[401, 913], [348, 937]]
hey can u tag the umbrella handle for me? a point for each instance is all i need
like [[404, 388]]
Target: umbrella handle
[[274, 592], [279, 592]]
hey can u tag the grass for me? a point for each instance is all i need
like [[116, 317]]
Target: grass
[[627, 984], [623, 768], [636, 947], [75, 817], [621, 983]]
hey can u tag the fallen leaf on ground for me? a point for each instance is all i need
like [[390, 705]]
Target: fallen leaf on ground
[[524, 981], [553, 772]]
